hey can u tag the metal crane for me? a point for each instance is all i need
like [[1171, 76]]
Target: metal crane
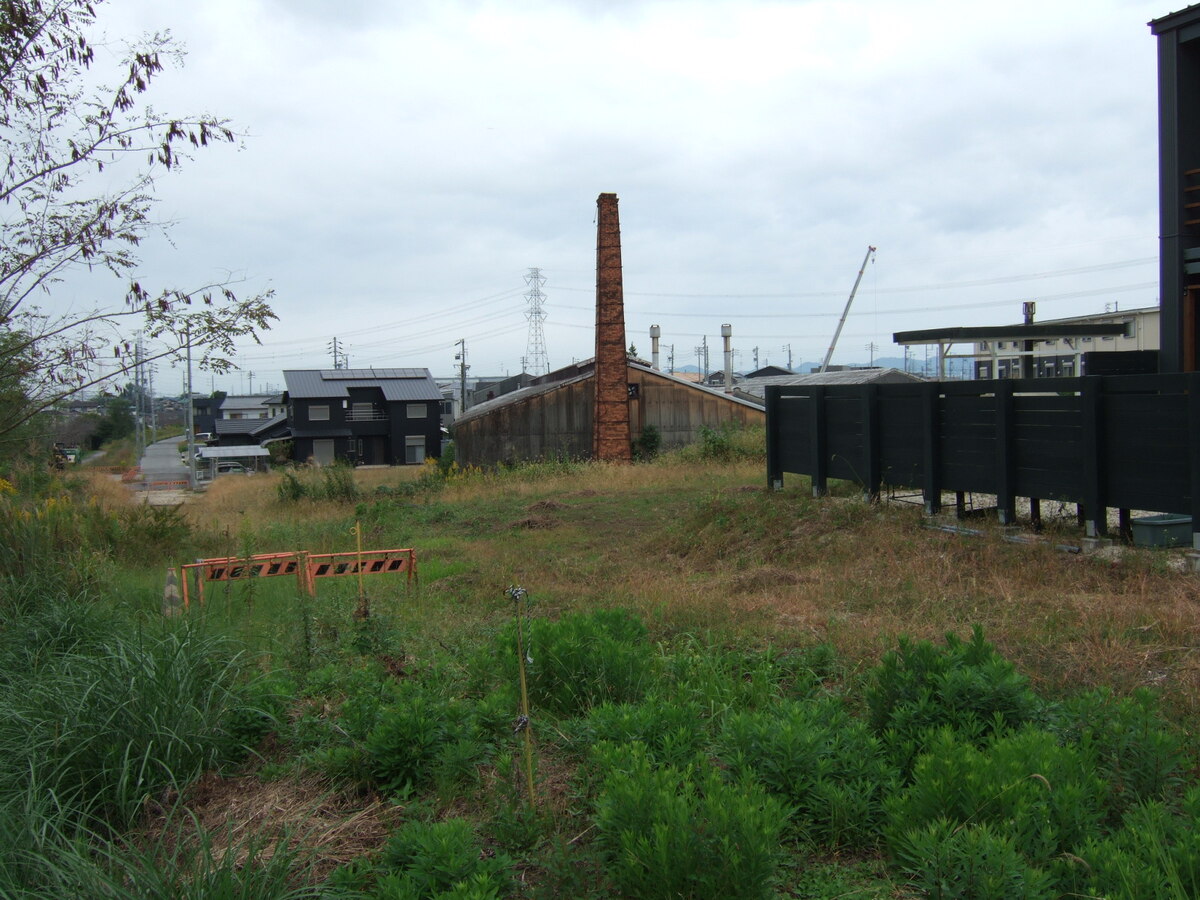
[[846, 311]]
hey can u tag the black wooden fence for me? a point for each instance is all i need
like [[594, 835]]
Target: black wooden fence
[[1124, 442]]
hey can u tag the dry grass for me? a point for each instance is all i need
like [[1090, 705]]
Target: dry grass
[[327, 826], [105, 489], [695, 548]]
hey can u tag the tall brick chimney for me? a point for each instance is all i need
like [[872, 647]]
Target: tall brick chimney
[[610, 421]]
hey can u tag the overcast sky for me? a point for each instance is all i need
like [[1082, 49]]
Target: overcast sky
[[406, 164]]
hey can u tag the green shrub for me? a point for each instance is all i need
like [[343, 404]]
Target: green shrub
[[441, 860], [424, 738], [648, 444], [965, 686], [823, 762], [722, 680], [728, 443], [580, 661], [672, 733], [1154, 856], [1139, 755], [944, 860], [1044, 797], [681, 832]]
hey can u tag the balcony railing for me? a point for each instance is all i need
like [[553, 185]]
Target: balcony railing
[[366, 415]]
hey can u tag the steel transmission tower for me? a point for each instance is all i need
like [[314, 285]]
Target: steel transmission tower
[[535, 351]]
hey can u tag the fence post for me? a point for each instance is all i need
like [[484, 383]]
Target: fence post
[[1193, 449], [872, 465], [774, 467], [1094, 510], [1006, 502], [819, 442], [932, 450]]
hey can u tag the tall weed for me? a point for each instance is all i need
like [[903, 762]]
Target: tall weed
[[108, 713]]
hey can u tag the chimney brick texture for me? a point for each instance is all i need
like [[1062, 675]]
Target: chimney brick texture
[[610, 422]]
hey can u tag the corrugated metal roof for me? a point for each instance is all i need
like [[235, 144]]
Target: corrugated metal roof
[[757, 386], [534, 389], [398, 385]]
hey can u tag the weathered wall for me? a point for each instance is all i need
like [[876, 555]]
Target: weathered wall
[[558, 422]]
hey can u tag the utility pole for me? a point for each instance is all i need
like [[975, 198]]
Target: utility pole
[[153, 413], [461, 357], [788, 348], [671, 359], [1028, 310], [139, 403], [756, 359], [871, 348], [250, 375], [191, 415], [339, 360], [539, 361]]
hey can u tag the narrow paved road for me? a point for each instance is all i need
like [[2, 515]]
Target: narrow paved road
[[161, 462]]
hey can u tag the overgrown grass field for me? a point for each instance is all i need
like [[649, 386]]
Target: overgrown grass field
[[715, 690]]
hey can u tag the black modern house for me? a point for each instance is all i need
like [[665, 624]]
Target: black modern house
[[364, 416]]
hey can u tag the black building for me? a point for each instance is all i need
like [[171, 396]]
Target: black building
[[367, 416]]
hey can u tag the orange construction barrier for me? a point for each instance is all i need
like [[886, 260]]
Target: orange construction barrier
[[306, 567]]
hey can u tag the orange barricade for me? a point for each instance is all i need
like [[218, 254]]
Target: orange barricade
[[306, 567]]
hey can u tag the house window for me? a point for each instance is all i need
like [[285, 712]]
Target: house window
[[318, 413], [416, 410], [414, 449]]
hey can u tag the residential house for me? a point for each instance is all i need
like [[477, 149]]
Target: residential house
[[367, 416]]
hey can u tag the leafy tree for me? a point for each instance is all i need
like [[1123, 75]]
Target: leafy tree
[[78, 160], [118, 420]]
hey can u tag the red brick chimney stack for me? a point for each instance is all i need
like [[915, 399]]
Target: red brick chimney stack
[[610, 422]]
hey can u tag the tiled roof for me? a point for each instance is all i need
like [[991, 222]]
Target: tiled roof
[[238, 426], [398, 385]]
